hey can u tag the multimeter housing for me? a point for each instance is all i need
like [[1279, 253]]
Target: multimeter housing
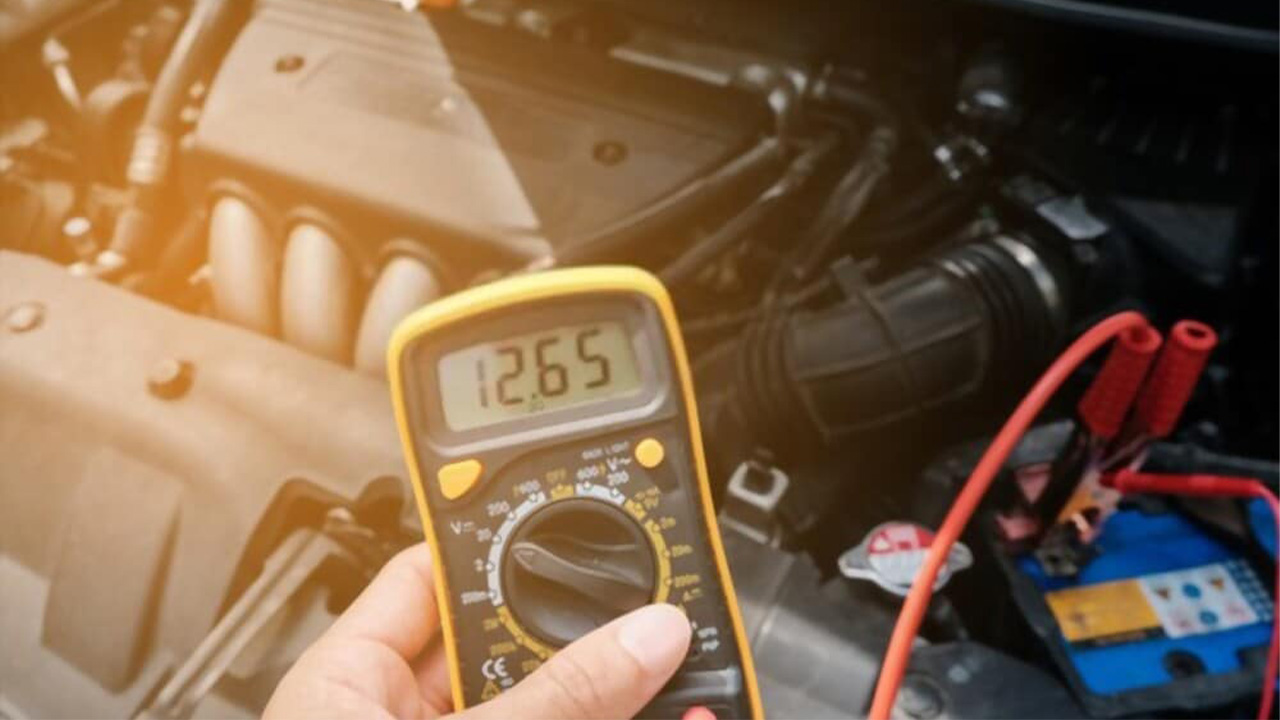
[[501, 501]]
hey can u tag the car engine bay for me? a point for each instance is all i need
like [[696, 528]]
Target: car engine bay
[[880, 223]]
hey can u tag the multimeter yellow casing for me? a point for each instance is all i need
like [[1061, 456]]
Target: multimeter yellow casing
[[545, 520]]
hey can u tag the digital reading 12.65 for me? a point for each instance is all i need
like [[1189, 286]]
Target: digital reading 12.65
[[533, 372]]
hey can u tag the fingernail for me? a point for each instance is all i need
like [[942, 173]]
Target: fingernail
[[657, 637]]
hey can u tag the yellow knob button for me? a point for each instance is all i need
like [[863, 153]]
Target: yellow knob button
[[650, 452], [456, 479]]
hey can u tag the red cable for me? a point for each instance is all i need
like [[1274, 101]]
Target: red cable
[[1217, 486], [917, 600]]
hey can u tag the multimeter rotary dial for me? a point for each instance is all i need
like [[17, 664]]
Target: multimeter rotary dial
[[568, 559], [574, 565]]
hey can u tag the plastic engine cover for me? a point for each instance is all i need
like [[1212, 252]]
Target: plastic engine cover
[[445, 130]]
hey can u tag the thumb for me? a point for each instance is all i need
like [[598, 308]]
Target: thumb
[[612, 672]]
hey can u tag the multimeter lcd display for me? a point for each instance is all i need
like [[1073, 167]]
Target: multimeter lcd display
[[532, 373]]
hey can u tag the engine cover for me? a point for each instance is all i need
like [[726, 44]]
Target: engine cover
[[448, 131], [129, 499]]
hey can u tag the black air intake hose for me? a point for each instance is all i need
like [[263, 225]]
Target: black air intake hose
[[937, 334]]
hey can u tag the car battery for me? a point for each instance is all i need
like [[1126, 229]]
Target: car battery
[[1166, 617]]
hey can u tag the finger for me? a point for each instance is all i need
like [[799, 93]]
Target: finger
[[347, 678], [432, 671], [398, 609], [610, 673]]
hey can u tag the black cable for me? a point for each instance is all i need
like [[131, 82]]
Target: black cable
[[908, 207], [668, 211], [206, 33], [720, 322], [846, 96], [907, 235], [845, 203], [710, 246]]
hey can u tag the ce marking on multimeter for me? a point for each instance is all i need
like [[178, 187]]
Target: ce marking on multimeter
[[550, 428]]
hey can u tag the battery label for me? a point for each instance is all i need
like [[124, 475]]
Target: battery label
[[1108, 612], [1193, 601], [1206, 599]]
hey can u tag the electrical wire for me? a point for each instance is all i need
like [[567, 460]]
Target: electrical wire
[[707, 248], [846, 202], [206, 33], [1128, 481], [734, 320], [917, 600], [665, 212]]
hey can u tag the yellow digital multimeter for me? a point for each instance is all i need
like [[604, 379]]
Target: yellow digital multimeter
[[550, 429]]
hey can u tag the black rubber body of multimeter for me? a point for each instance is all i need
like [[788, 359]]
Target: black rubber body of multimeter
[[550, 428]]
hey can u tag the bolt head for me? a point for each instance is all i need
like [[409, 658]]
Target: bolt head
[[23, 317], [919, 699], [609, 152], [447, 105], [170, 378], [289, 63], [77, 227]]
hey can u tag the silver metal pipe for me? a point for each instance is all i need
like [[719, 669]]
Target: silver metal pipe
[[405, 284], [318, 294], [244, 264]]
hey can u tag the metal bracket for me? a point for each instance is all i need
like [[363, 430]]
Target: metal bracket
[[751, 501], [284, 574], [959, 155]]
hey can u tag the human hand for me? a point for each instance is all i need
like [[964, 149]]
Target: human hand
[[383, 658]]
